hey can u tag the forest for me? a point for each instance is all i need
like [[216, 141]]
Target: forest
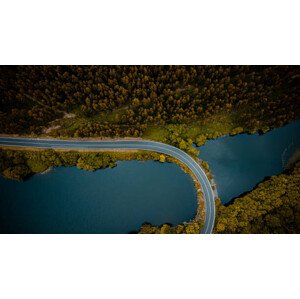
[[179, 105], [112, 101], [273, 206]]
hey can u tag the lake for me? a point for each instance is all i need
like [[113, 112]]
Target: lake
[[117, 200], [120, 200], [239, 162]]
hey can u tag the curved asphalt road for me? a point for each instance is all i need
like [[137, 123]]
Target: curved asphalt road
[[130, 145]]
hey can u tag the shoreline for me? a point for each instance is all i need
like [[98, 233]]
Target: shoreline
[[122, 155]]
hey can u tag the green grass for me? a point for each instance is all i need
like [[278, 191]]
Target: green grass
[[158, 133], [212, 127], [80, 120], [36, 166]]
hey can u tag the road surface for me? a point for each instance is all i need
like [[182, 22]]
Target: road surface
[[129, 145]]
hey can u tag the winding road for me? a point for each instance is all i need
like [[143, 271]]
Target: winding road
[[129, 145]]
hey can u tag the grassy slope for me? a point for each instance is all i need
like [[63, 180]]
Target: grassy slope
[[217, 125]]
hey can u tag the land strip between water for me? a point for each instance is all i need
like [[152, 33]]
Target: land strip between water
[[184, 158]]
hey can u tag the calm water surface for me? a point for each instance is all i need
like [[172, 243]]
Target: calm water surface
[[118, 200], [239, 162]]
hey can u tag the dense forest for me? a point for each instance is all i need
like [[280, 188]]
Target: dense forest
[[272, 207], [115, 101], [180, 105]]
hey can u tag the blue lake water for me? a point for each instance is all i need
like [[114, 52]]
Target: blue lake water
[[118, 200], [239, 162]]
